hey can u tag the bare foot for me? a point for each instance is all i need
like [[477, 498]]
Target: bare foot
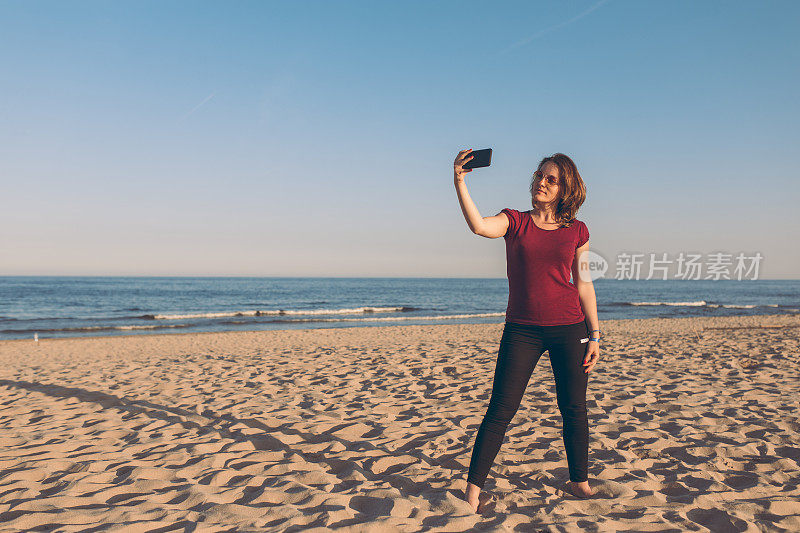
[[484, 503], [580, 490], [479, 502], [471, 496]]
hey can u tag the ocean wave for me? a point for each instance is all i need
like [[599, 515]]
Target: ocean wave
[[699, 303], [283, 312], [94, 328], [703, 303], [742, 306], [366, 319]]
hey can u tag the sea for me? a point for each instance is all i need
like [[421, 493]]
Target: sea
[[58, 306]]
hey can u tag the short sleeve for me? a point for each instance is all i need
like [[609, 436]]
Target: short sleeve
[[583, 234], [513, 221]]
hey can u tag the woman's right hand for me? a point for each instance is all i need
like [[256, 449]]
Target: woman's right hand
[[458, 165]]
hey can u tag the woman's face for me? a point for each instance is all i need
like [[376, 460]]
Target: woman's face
[[545, 185]]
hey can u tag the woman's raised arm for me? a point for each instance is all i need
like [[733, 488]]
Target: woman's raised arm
[[491, 227]]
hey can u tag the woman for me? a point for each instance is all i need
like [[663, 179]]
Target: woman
[[545, 313]]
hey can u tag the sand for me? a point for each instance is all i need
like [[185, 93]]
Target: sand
[[693, 427]]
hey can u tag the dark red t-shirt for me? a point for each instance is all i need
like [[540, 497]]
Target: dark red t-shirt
[[539, 264]]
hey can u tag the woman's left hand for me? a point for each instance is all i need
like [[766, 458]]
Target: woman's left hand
[[592, 356]]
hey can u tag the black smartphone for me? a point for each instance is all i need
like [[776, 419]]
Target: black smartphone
[[481, 158]]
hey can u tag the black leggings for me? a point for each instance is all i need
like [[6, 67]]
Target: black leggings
[[520, 349]]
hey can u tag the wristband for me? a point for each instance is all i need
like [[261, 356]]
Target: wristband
[[594, 339]]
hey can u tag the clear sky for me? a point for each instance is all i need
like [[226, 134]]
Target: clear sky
[[317, 138]]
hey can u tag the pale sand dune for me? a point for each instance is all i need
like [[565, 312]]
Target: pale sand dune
[[371, 429]]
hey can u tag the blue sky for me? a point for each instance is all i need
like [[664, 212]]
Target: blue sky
[[317, 138]]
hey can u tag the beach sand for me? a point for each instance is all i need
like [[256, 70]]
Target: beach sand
[[693, 427]]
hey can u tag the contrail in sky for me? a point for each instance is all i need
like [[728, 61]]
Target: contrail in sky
[[198, 106], [553, 28]]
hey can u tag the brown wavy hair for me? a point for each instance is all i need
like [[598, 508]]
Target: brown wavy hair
[[571, 190]]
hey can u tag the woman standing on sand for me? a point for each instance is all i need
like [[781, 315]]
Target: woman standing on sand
[[545, 312]]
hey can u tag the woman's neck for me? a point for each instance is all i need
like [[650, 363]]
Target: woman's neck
[[546, 216]]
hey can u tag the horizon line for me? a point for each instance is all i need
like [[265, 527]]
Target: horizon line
[[340, 277]]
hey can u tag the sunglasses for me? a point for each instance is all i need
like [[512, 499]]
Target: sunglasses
[[550, 180]]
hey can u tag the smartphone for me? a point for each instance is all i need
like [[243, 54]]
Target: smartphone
[[481, 158]]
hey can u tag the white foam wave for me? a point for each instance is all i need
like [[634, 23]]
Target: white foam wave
[[149, 327], [391, 318], [699, 303], [702, 303], [281, 312], [93, 328], [212, 315]]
